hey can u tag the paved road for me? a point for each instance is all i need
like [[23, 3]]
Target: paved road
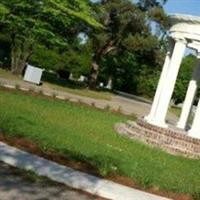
[[15, 187], [126, 105]]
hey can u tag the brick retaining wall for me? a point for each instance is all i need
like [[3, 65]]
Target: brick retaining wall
[[172, 141]]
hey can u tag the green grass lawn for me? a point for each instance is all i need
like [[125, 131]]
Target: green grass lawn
[[87, 134], [82, 91], [51, 81], [177, 112], [7, 74]]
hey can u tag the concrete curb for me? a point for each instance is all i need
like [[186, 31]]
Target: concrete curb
[[60, 95], [72, 178]]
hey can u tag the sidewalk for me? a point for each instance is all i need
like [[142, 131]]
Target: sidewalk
[[72, 178], [16, 184]]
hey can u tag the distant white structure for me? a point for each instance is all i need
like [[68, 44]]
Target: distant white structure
[[71, 78], [184, 32], [33, 74], [109, 84], [101, 85], [82, 78]]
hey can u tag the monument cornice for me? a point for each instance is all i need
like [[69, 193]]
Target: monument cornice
[[184, 26], [179, 18]]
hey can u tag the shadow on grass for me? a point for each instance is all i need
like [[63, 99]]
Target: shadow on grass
[[54, 79], [101, 165]]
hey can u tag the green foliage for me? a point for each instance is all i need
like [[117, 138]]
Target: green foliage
[[50, 23], [4, 51], [155, 12], [76, 61], [123, 48], [3, 11], [147, 81], [123, 71], [46, 58], [184, 77], [128, 31], [141, 43], [76, 131], [79, 9]]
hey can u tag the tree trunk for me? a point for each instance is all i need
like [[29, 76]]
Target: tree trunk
[[17, 65], [20, 52], [94, 75], [18, 61]]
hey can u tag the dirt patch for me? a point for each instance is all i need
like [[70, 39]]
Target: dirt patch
[[30, 147]]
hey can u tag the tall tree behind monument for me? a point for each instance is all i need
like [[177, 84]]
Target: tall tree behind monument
[[124, 22]]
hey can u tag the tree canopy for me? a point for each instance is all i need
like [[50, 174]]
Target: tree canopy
[[50, 23], [127, 31], [119, 49]]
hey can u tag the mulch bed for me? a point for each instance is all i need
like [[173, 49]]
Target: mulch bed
[[31, 147]]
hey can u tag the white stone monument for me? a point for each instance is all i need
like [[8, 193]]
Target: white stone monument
[[184, 32], [33, 74]]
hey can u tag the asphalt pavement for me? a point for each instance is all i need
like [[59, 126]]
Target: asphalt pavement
[[17, 185]]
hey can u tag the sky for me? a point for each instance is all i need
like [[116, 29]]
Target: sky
[[190, 7]]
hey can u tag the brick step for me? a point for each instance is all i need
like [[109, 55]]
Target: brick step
[[178, 134], [184, 140], [167, 138], [168, 148], [168, 142]]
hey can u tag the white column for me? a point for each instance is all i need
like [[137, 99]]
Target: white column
[[161, 82], [195, 130], [169, 84], [190, 95]]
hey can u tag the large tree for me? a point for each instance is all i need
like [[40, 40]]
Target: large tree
[[127, 28], [48, 22]]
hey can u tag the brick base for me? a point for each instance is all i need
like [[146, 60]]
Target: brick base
[[171, 140]]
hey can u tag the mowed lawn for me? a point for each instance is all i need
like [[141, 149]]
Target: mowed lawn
[[55, 83], [87, 134]]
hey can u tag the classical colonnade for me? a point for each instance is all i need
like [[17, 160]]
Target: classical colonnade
[[184, 33]]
